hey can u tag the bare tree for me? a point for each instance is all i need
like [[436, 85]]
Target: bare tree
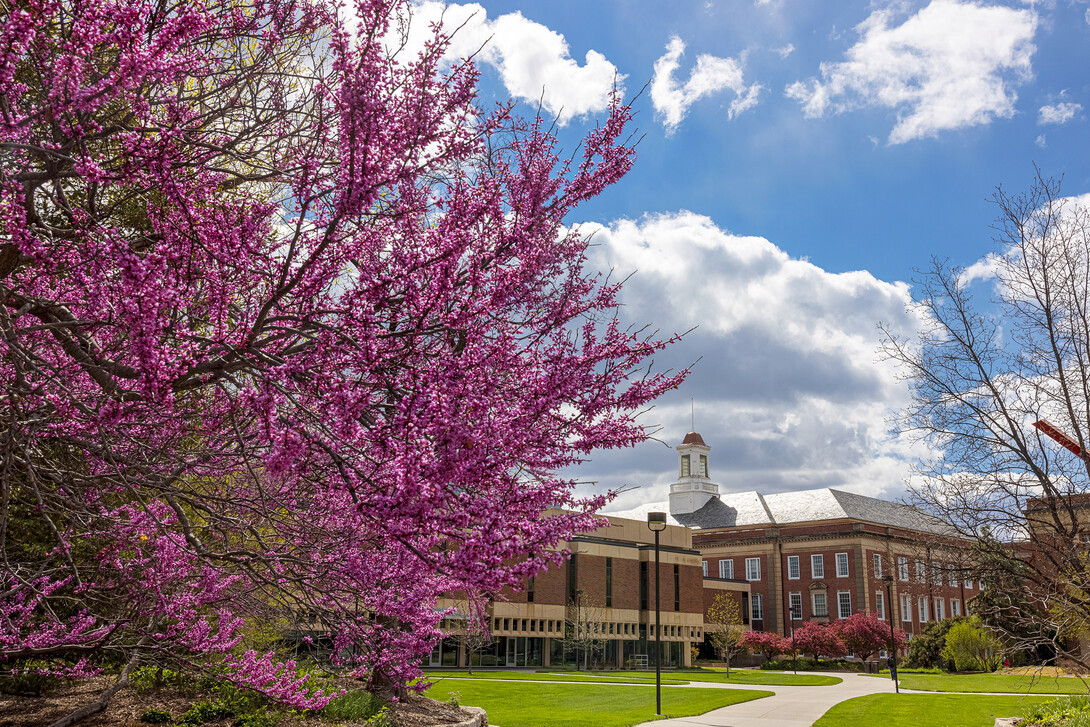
[[470, 625], [585, 626], [982, 376]]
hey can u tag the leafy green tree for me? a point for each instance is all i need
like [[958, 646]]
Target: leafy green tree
[[925, 650], [969, 647]]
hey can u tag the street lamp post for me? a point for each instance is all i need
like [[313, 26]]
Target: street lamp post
[[892, 639], [657, 522]]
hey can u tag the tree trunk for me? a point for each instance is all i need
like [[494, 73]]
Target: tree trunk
[[103, 699]]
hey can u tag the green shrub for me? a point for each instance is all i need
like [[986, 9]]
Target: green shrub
[[358, 705], [152, 715], [202, 712], [925, 649], [260, 718], [454, 698], [27, 682], [808, 664], [1066, 712], [381, 718], [147, 678], [971, 648]]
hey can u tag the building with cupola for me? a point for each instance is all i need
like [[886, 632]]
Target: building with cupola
[[787, 558], [816, 555]]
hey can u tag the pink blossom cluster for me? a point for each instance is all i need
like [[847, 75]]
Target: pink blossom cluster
[[290, 331]]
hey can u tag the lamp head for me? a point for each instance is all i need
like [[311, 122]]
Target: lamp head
[[656, 521]]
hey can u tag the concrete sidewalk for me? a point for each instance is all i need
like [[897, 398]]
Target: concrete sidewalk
[[790, 707]]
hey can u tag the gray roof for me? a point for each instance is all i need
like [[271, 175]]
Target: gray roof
[[735, 509]]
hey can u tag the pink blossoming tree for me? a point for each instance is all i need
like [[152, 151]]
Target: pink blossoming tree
[[289, 328]]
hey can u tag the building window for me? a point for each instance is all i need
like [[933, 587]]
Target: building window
[[684, 465], [530, 590], [981, 584], [817, 566], [841, 565], [940, 609], [880, 606], [795, 606], [793, 567], [643, 584], [758, 611], [902, 568], [921, 572], [953, 577], [704, 465], [573, 577], [745, 608], [819, 605], [877, 565], [704, 567], [955, 607], [924, 615], [726, 569], [906, 608], [753, 569], [968, 583], [609, 582], [844, 603], [677, 587]]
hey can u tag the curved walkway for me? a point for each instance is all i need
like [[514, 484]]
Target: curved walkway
[[789, 707]]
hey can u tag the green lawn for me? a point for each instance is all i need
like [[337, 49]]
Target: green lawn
[[925, 710], [992, 683], [578, 705], [751, 676], [575, 676]]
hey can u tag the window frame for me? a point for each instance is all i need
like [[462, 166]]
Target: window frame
[[880, 605], [902, 568], [756, 607], [756, 569], [791, 612], [840, 614], [723, 571], [843, 560], [793, 560], [923, 608], [816, 612], [876, 564], [819, 560], [906, 608]]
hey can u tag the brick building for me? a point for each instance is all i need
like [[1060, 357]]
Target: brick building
[[818, 555], [608, 587]]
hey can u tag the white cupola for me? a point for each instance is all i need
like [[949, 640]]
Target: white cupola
[[694, 486]]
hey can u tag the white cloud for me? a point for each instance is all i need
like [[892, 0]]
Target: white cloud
[[534, 62], [1059, 113], [1041, 141], [951, 65], [711, 75], [785, 51], [789, 393]]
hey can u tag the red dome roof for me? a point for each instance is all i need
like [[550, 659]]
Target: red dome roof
[[693, 438]]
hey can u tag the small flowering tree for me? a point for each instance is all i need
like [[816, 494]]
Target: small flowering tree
[[768, 643], [289, 329], [864, 635]]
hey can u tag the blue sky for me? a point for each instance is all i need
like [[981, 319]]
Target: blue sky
[[800, 158]]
